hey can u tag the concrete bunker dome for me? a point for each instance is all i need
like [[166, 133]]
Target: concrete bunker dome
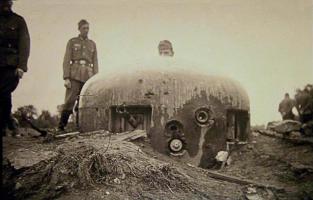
[[167, 88], [188, 114]]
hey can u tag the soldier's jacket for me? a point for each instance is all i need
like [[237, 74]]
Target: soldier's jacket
[[286, 105], [80, 50], [14, 41]]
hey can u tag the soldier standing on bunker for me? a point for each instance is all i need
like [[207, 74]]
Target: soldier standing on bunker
[[285, 108], [80, 63], [14, 53]]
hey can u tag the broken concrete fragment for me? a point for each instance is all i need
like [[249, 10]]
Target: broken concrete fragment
[[285, 126], [222, 156], [255, 134], [18, 185], [117, 181], [308, 128], [253, 197], [295, 135]]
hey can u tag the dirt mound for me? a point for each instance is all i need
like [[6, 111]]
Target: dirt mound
[[87, 163]]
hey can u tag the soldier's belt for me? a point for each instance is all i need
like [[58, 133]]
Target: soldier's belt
[[82, 63]]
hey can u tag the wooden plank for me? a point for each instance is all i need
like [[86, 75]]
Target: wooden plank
[[130, 135], [236, 180], [67, 134], [79, 133]]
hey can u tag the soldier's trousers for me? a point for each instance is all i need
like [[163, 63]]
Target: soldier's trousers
[[8, 83], [288, 116], [71, 95]]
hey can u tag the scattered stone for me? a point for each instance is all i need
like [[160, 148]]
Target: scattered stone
[[249, 146], [251, 194], [253, 197], [222, 156], [251, 190], [255, 134], [295, 135], [123, 176], [229, 161], [117, 181], [107, 193], [308, 128], [18, 185], [285, 126]]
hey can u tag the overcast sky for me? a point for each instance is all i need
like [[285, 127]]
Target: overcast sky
[[264, 44]]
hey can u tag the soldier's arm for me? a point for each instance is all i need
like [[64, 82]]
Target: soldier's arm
[[95, 61], [67, 61], [24, 45], [279, 107]]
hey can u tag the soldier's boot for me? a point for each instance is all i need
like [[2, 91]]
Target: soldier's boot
[[13, 127], [65, 115], [3, 128], [3, 132]]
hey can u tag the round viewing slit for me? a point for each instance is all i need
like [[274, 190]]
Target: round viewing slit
[[203, 116], [176, 145]]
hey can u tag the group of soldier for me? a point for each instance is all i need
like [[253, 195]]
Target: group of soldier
[[80, 63], [302, 102]]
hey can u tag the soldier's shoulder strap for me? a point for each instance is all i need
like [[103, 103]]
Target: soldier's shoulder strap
[[90, 40], [74, 39]]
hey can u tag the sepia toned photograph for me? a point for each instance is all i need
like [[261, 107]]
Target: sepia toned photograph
[[156, 99]]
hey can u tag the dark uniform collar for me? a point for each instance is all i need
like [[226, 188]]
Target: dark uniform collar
[[82, 38]]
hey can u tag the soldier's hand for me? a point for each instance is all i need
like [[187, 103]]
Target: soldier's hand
[[67, 83], [19, 72]]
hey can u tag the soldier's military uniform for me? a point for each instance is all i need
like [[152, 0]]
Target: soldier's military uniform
[[285, 108], [14, 53], [80, 63]]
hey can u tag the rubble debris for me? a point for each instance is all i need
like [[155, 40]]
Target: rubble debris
[[308, 128], [295, 135], [222, 156], [285, 126], [252, 193], [290, 138], [42, 132]]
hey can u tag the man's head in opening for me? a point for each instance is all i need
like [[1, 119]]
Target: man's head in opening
[[165, 48]]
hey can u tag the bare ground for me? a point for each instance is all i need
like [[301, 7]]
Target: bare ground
[[103, 167]]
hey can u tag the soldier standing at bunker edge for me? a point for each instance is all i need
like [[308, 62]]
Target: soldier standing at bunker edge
[[14, 53], [80, 63]]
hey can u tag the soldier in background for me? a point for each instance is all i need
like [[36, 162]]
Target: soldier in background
[[14, 53], [285, 108], [80, 63], [304, 103]]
